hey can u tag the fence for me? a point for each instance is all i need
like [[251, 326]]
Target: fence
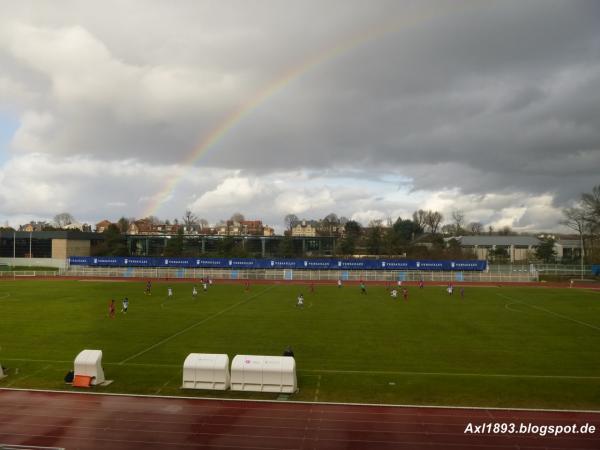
[[495, 273], [300, 275], [30, 273]]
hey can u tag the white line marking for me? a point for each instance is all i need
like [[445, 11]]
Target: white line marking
[[27, 447], [7, 295], [450, 374], [19, 379], [317, 372], [507, 306], [163, 386], [194, 325], [562, 316], [316, 399], [246, 400], [104, 281], [95, 439], [36, 360]]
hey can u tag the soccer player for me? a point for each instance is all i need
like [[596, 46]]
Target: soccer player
[[204, 286], [450, 289], [394, 293], [194, 291], [300, 303], [125, 305], [399, 283], [421, 284], [111, 308], [405, 293], [148, 290], [247, 286], [363, 288], [339, 283], [170, 291], [312, 288], [462, 292], [210, 281]]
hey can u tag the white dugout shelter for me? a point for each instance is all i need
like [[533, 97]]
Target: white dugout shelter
[[89, 364], [264, 374], [206, 371]]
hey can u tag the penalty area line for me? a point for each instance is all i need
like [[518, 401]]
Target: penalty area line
[[547, 311], [194, 325]]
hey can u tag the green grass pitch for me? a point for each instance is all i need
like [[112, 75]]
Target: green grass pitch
[[508, 346]]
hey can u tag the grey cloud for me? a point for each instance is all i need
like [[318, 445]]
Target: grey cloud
[[495, 96]]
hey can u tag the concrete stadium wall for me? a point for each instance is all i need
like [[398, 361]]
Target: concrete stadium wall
[[63, 248], [59, 263]]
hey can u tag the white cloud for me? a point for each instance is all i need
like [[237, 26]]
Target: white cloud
[[34, 125], [229, 193], [490, 112], [365, 217]]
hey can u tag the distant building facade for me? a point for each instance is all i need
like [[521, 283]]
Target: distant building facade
[[518, 248], [102, 226], [304, 228]]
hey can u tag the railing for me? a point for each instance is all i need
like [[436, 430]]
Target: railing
[[30, 273], [299, 275], [495, 273]]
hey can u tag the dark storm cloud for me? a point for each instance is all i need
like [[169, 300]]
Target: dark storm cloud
[[508, 92]]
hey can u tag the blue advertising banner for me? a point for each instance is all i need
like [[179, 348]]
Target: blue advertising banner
[[308, 264]]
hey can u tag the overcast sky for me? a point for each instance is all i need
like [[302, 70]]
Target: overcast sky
[[369, 109]]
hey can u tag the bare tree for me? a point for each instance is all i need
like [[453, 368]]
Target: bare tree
[[476, 227], [459, 221], [591, 204], [433, 220], [449, 229], [289, 220], [152, 220], [329, 223], [63, 219], [419, 217], [576, 219], [237, 217], [123, 224], [332, 218], [190, 220]]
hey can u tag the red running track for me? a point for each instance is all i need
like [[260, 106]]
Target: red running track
[[82, 421]]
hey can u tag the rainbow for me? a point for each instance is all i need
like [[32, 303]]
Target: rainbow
[[246, 107]]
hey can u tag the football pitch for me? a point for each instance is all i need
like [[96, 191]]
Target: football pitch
[[497, 346]]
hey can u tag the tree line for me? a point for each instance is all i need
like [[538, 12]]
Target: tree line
[[419, 236]]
